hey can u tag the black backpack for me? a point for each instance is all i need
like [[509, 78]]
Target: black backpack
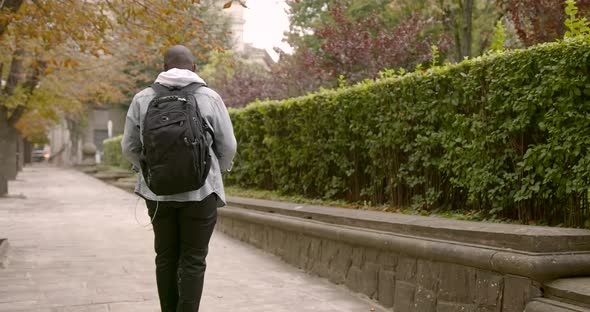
[[175, 155]]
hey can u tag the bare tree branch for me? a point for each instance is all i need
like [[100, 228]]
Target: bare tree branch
[[15, 115], [15, 73], [29, 86], [34, 79]]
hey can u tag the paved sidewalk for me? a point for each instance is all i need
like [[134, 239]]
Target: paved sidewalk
[[75, 245]]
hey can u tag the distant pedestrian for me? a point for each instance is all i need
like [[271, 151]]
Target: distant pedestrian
[[179, 136]]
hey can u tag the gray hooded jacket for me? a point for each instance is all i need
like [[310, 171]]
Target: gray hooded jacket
[[213, 110]]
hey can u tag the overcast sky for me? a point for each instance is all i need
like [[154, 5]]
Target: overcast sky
[[266, 20]]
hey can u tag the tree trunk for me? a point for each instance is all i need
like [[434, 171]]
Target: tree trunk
[[8, 118], [75, 150], [458, 53], [20, 153], [3, 185], [452, 25], [28, 150], [467, 28], [4, 155], [11, 166]]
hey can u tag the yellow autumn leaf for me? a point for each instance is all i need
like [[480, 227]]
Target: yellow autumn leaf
[[82, 52]]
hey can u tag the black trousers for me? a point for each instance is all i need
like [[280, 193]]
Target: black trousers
[[182, 231]]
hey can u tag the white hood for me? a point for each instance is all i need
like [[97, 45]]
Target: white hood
[[178, 77]]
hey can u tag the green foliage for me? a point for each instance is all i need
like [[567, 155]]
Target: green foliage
[[113, 155], [576, 26], [341, 81], [435, 56], [221, 66], [387, 73], [504, 135], [499, 37]]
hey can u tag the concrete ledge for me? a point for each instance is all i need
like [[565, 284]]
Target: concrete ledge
[[508, 236], [537, 266], [4, 247], [546, 305]]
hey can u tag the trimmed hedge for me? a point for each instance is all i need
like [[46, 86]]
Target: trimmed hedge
[[507, 134], [113, 155]]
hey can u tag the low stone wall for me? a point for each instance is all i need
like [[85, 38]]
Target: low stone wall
[[413, 263]]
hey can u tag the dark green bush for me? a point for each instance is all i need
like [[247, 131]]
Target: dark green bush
[[506, 134]]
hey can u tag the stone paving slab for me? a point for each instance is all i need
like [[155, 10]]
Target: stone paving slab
[[78, 244]]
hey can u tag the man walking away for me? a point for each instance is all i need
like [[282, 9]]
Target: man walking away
[[179, 136]]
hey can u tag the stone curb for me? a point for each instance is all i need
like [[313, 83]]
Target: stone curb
[[537, 266], [517, 237], [111, 175], [125, 181], [547, 305], [572, 290], [4, 248]]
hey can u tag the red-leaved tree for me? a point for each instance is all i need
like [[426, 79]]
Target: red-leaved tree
[[539, 21], [293, 76], [357, 49], [360, 49]]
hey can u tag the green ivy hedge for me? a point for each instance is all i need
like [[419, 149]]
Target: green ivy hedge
[[507, 134], [113, 155]]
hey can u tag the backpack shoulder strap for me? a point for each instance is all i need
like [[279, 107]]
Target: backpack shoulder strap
[[160, 89], [192, 87]]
